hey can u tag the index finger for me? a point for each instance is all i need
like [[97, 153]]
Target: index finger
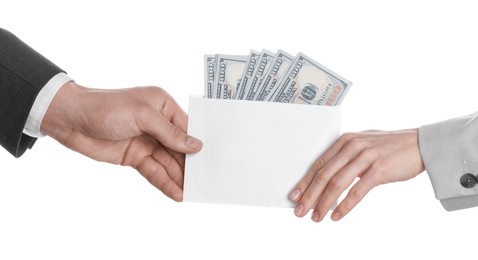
[[161, 101], [174, 113]]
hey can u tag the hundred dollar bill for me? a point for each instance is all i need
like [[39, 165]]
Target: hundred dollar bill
[[308, 82], [229, 69], [247, 74], [209, 67], [279, 66], [263, 64]]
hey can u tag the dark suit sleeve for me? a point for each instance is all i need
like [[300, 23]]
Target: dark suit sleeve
[[23, 73]]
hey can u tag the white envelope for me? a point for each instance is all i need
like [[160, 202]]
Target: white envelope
[[254, 152]]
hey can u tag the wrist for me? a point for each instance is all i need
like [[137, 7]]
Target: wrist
[[415, 140], [62, 115]]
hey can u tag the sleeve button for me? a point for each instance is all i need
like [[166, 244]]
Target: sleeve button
[[468, 180]]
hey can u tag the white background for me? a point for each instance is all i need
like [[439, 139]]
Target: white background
[[411, 62]]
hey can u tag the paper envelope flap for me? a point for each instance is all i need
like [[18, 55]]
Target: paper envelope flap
[[254, 153]]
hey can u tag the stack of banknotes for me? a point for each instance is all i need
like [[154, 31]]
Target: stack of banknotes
[[273, 77]]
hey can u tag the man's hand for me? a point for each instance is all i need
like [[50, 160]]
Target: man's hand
[[141, 127], [376, 157]]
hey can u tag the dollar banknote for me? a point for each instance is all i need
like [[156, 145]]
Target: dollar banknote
[[247, 74], [210, 66], [308, 82], [228, 73], [263, 63], [279, 77], [280, 65]]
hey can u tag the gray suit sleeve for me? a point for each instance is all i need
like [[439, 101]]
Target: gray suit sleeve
[[449, 150]]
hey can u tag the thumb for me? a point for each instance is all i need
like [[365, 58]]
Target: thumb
[[169, 135]]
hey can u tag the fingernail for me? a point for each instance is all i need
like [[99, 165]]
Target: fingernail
[[294, 195], [298, 210], [336, 215], [193, 142], [315, 216]]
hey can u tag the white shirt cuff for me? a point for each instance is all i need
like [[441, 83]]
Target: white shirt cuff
[[42, 102]]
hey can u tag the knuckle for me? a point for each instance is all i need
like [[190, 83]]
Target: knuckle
[[153, 90], [160, 90], [163, 94], [380, 177], [318, 165], [321, 177], [174, 132], [161, 185], [355, 193], [347, 136], [370, 154], [166, 161], [378, 169], [158, 182], [347, 207], [152, 93], [307, 199], [335, 184], [149, 175], [356, 144]]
